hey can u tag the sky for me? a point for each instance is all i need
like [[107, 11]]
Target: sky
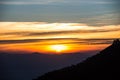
[[92, 12], [35, 25]]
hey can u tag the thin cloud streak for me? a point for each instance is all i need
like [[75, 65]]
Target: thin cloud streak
[[59, 41], [38, 2], [29, 2], [56, 32]]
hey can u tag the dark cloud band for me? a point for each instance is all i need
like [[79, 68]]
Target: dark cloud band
[[56, 32], [59, 41]]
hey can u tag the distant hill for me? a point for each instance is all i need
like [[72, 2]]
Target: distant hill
[[103, 66], [28, 66]]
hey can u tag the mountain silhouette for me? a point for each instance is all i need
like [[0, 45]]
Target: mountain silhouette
[[103, 66], [27, 66]]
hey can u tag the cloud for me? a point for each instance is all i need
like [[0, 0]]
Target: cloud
[[43, 30], [31, 40], [35, 2], [59, 41], [57, 32], [17, 41], [28, 2]]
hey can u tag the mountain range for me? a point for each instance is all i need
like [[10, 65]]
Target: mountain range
[[103, 66], [26, 66]]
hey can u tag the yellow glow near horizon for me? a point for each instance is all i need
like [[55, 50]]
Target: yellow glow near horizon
[[58, 48]]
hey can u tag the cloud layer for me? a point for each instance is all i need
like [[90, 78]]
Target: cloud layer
[[32, 2], [49, 33], [59, 41]]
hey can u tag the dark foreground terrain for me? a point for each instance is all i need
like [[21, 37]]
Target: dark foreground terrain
[[103, 66]]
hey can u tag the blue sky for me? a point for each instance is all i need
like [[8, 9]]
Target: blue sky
[[91, 12]]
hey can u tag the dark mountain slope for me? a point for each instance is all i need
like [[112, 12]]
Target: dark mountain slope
[[103, 66]]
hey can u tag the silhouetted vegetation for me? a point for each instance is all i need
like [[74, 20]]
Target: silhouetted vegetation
[[103, 66]]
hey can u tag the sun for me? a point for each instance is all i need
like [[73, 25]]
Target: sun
[[58, 48]]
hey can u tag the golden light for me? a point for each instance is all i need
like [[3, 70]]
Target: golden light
[[58, 48]]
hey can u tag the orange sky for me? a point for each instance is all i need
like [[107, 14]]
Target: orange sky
[[39, 36]]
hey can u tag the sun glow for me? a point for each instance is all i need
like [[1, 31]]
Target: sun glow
[[58, 48]]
